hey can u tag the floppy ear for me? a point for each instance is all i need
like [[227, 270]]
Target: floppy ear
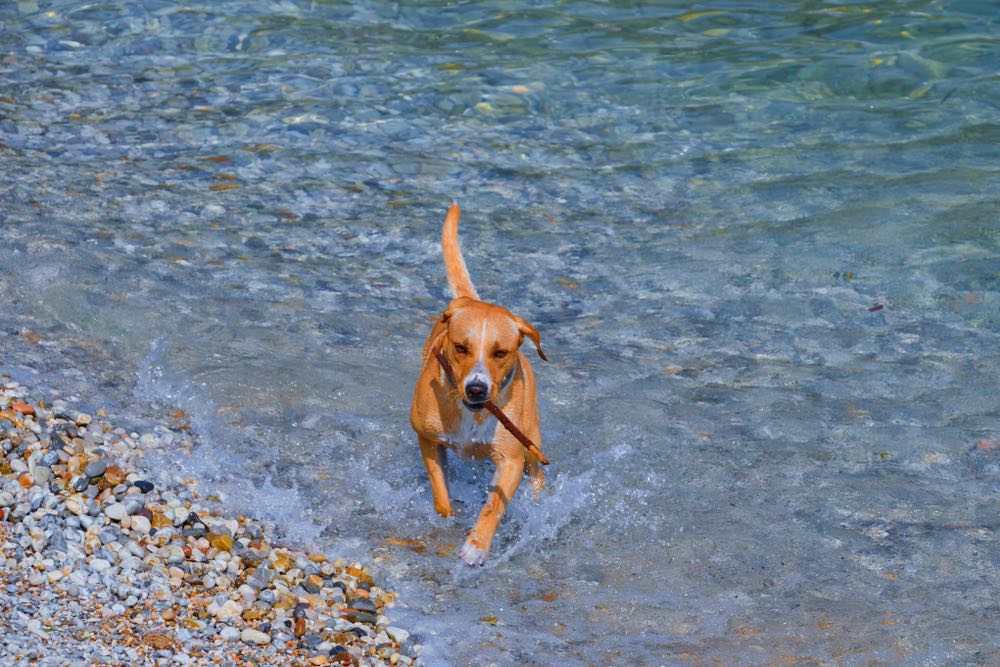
[[531, 332], [455, 304]]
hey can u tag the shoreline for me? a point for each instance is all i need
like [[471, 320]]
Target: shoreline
[[98, 563]]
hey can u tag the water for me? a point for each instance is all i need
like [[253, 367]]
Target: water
[[760, 241]]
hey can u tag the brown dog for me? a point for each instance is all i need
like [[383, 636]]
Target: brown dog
[[482, 343]]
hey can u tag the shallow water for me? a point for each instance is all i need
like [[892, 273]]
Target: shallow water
[[761, 245]]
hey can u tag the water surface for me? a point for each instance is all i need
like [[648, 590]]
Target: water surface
[[760, 241]]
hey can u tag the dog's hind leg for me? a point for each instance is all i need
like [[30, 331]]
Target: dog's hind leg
[[434, 456]]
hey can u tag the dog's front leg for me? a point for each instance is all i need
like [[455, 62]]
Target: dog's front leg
[[434, 458], [505, 482]]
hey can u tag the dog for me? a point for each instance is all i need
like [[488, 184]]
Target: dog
[[481, 342]]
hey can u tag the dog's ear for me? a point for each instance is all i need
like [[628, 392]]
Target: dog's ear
[[455, 304], [531, 332]]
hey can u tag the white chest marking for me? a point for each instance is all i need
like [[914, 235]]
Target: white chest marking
[[470, 431]]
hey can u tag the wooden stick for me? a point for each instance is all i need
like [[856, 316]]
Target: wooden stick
[[497, 412]]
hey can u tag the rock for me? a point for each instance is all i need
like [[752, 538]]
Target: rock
[[23, 408], [115, 511], [261, 578], [6, 499], [95, 468], [397, 635], [143, 485], [132, 504], [312, 583], [220, 541], [365, 617], [230, 609], [362, 604], [230, 634], [114, 475], [83, 419], [141, 524], [99, 565], [251, 636], [80, 483], [174, 555], [49, 458]]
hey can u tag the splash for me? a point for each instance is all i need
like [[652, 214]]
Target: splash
[[241, 483]]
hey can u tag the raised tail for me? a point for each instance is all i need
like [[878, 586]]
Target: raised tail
[[458, 274]]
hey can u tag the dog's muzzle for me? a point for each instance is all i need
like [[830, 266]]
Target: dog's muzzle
[[476, 395]]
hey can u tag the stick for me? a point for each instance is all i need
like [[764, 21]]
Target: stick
[[497, 412]]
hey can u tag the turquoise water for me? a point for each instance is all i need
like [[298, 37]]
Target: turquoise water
[[760, 240]]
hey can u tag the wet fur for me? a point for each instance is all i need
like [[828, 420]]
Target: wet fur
[[482, 340]]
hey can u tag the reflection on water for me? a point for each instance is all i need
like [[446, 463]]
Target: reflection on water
[[760, 245]]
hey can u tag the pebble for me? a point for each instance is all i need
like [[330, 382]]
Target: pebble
[[229, 610], [251, 636], [95, 468], [85, 542], [143, 485], [116, 511], [398, 635], [140, 524]]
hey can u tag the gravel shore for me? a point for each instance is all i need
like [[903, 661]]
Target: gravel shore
[[99, 565]]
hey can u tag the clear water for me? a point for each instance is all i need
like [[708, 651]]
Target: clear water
[[761, 242]]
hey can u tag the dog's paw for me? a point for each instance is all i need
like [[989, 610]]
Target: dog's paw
[[471, 554]]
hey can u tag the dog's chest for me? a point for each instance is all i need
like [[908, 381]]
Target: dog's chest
[[469, 430]]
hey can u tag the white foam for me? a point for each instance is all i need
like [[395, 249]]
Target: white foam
[[216, 460]]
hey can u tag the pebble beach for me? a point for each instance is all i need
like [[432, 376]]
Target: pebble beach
[[102, 562]]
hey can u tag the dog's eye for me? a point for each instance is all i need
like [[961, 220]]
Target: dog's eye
[[499, 354], [461, 349]]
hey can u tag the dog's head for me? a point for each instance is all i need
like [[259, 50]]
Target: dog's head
[[481, 343]]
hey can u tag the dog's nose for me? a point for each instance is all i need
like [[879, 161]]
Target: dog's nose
[[476, 391]]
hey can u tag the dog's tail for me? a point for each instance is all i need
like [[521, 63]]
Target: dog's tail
[[458, 274]]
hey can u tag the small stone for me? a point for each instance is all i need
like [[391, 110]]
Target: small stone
[[99, 564], [312, 583], [261, 578], [365, 617], [75, 505], [23, 408], [114, 475], [252, 636], [83, 419], [398, 635], [230, 609], [220, 541], [143, 485], [132, 504], [362, 604], [230, 634], [6, 499], [116, 511], [158, 640], [80, 483], [42, 475], [49, 458], [140, 524], [95, 468]]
